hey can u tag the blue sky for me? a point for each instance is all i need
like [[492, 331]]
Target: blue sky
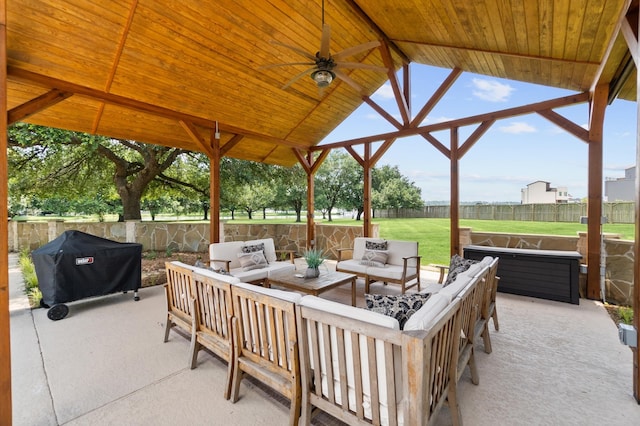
[[513, 153]]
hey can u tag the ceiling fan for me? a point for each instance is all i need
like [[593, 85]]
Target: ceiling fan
[[326, 67]]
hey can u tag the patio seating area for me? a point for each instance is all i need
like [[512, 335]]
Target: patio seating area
[[106, 363]]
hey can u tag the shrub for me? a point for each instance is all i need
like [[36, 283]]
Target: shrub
[[626, 314], [30, 279]]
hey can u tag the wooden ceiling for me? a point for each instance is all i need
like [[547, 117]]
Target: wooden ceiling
[[165, 71]]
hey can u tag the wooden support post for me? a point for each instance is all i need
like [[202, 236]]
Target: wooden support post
[[455, 195], [636, 245], [594, 201], [311, 226], [5, 329], [214, 190], [366, 167]]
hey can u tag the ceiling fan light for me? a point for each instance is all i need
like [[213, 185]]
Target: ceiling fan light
[[323, 78]]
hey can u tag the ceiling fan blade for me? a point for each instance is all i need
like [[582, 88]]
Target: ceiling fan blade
[[264, 67], [296, 49], [342, 76], [324, 45], [299, 76], [357, 65], [355, 49]]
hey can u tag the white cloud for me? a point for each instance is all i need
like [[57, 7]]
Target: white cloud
[[518, 127], [491, 91], [384, 92]]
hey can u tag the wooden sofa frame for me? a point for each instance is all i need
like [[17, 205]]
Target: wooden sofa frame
[[427, 359]]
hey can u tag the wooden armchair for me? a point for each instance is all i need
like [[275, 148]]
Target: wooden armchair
[[180, 301], [211, 320], [265, 343]]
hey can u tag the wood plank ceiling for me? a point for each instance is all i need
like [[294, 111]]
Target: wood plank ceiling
[[164, 71]]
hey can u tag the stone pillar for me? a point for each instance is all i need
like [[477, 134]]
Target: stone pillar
[[55, 228], [465, 238], [14, 240], [131, 227]]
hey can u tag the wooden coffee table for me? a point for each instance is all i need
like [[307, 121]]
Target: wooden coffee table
[[315, 286]]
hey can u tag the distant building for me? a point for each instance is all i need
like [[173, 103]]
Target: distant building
[[621, 189], [540, 192]]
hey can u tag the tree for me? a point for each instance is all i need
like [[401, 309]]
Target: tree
[[74, 163], [333, 181], [390, 189], [291, 188]]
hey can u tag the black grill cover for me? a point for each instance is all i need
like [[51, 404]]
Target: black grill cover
[[77, 265]]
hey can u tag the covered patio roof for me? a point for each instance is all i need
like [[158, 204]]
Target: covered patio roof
[[166, 72], [177, 73]]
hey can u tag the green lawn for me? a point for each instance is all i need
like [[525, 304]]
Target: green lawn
[[433, 234]]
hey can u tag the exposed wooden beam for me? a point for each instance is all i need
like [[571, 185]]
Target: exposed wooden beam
[[35, 105], [474, 137], [377, 108], [377, 30], [565, 124], [235, 140], [497, 52], [403, 105], [437, 95], [475, 119], [17, 74], [190, 128]]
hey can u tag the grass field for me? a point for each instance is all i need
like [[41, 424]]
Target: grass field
[[433, 234]]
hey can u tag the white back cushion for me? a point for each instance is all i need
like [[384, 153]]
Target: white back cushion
[[220, 277], [226, 251], [289, 296], [423, 318]]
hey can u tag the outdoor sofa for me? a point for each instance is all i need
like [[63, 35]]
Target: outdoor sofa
[[315, 351]]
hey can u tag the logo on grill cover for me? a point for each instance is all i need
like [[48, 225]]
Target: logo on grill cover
[[84, 260]]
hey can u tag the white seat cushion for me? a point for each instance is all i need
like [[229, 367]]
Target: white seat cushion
[[352, 265]]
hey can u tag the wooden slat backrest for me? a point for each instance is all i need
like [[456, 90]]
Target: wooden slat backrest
[[179, 297], [471, 298], [213, 314], [267, 338], [338, 377], [430, 358]]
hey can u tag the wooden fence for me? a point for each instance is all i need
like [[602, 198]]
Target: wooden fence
[[622, 212]]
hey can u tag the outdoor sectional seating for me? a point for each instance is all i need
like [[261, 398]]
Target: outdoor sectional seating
[[390, 261], [356, 364], [242, 259]]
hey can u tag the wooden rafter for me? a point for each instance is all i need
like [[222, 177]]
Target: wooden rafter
[[35, 105], [475, 119], [114, 65], [399, 95], [18, 74]]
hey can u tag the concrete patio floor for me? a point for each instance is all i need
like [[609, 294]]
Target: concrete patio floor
[[552, 364]]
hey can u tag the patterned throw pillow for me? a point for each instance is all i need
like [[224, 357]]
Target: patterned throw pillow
[[253, 260], [458, 265], [400, 307], [374, 258], [252, 248], [375, 245]]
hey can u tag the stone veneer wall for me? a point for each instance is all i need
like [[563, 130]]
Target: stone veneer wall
[[187, 237]]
